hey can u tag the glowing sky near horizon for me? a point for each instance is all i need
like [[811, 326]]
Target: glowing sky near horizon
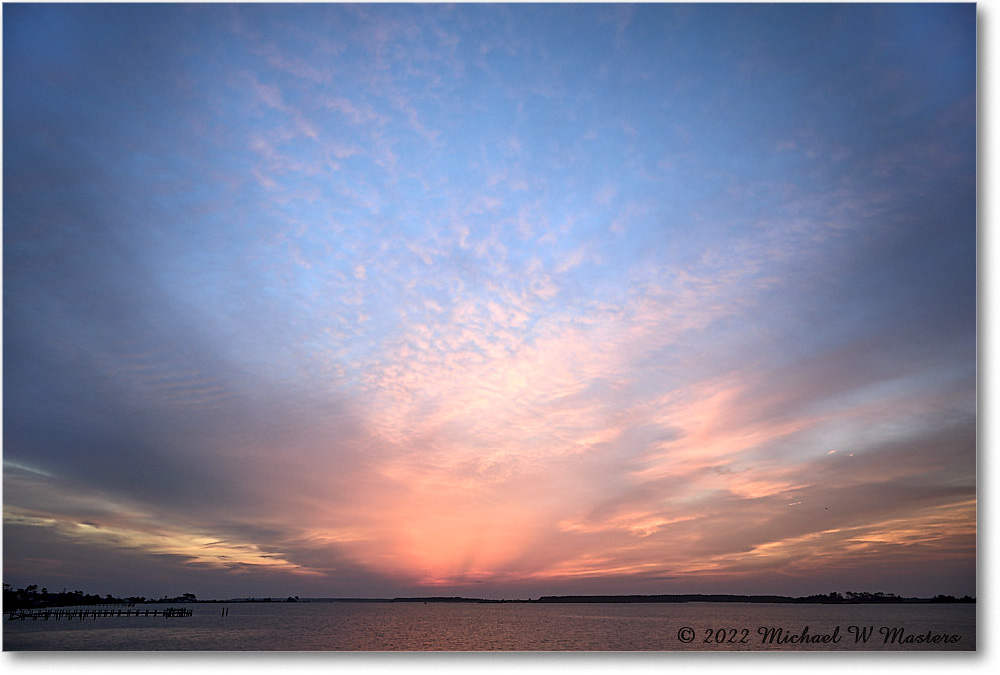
[[493, 300]]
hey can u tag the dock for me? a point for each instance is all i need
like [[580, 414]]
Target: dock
[[91, 613]]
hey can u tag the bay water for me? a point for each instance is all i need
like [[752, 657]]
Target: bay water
[[531, 627]]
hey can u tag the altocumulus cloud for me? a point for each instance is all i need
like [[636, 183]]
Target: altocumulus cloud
[[338, 300]]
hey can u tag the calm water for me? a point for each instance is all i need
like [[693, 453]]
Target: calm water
[[507, 627]]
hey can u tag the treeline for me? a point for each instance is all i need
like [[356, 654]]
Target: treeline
[[31, 597], [850, 597], [853, 597]]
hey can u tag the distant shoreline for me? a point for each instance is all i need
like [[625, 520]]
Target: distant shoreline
[[33, 598], [837, 599]]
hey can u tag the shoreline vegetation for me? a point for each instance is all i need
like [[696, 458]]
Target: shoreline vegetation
[[32, 597]]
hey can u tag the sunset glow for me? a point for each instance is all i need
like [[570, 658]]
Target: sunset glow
[[490, 300]]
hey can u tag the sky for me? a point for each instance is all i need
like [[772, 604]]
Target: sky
[[489, 300]]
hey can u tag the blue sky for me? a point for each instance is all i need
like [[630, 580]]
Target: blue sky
[[345, 300]]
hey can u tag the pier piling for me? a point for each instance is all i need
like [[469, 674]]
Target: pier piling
[[57, 614]]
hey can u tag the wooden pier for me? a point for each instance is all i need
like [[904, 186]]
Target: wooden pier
[[91, 613]]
